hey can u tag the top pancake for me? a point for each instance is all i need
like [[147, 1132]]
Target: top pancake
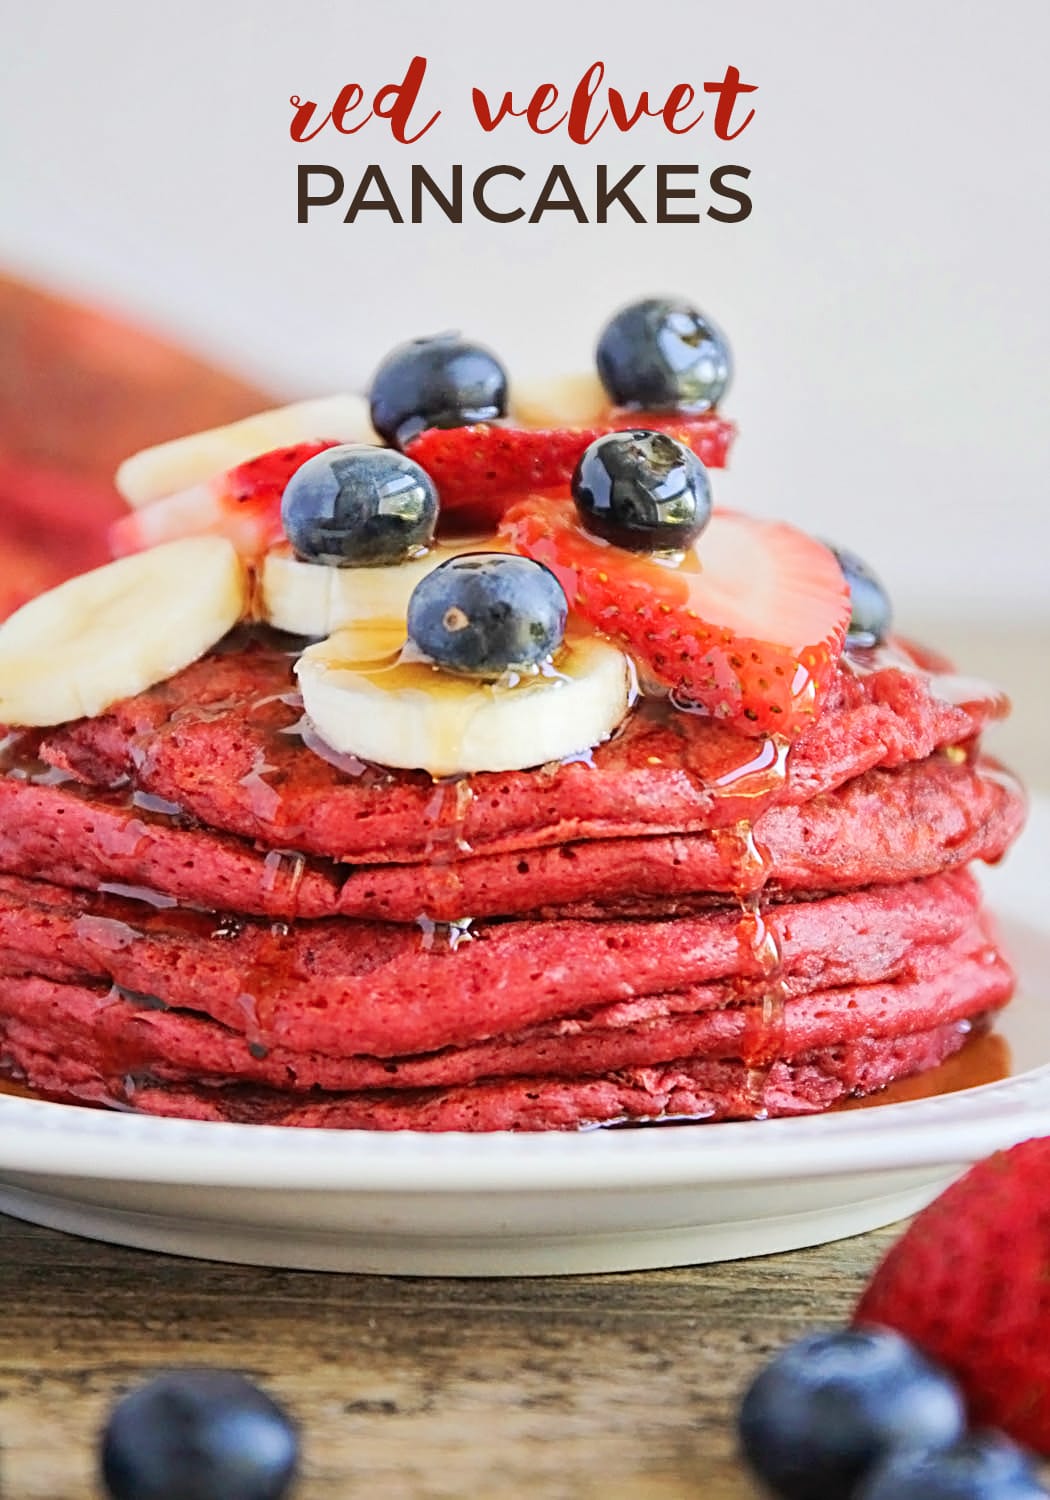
[[222, 740]]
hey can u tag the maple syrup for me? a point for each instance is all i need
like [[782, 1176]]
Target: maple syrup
[[984, 1058], [748, 778]]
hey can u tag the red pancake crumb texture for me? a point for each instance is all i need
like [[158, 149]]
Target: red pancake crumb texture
[[202, 916]]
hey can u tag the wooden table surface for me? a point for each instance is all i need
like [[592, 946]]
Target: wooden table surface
[[586, 1388], [582, 1388]]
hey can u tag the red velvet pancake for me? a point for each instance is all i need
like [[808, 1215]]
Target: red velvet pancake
[[885, 826], [346, 988], [200, 915], [707, 1089], [220, 739]]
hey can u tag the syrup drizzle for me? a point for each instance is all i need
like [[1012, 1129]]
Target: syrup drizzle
[[445, 822], [20, 762], [264, 982], [444, 936], [759, 774]]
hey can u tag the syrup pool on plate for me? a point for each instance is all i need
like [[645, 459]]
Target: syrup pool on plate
[[986, 1058]]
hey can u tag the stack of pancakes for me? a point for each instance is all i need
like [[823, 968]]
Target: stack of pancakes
[[203, 913]]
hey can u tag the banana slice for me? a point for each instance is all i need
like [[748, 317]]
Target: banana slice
[[307, 599], [366, 699], [109, 634], [160, 471], [566, 401]]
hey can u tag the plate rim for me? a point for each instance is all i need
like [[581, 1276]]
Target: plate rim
[[944, 1130]]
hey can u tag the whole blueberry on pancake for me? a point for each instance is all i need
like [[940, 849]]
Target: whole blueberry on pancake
[[198, 1435], [643, 491], [871, 613], [359, 507], [663, 354], [486, 613], [443, 381]]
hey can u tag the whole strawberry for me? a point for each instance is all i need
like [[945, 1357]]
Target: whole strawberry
[[969, 1283]]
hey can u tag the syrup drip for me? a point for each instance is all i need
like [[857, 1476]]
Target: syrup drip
[[283, 871], [263, 983], [757, 777], [445, 822], [750, 783], [761, 951], [444, 936], [264, 800], [349, 765], [156, 899], [19, 761], [147, 802], [105, 932]]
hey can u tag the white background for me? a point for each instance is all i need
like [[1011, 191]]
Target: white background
[[887, 299]]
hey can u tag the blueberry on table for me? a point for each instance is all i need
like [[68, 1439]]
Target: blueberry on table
[[198, 1435], [985, 1466], [827, 1409], [359, 507], [663, 355], [871, 613], [487, 613], [443, 381], [642, 491]]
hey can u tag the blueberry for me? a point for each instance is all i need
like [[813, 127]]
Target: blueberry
[[982, 1467], [831, 1406], [487, 612], [359, 507], [871, 614], [643, 491], [198, 1435], [661, 355], [444, 381]]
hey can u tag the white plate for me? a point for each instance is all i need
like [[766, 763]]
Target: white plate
[[506, 1205]]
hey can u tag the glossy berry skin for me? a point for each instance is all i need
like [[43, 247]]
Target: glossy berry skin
[[663, 355], [444, 381], [643, 491], [481, 471], [831, 1406], [982, 1467], [968, 1283], [486, 613], [871, 614], [198, 1435], [359, 507]]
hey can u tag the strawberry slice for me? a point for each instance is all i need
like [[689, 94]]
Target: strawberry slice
[[243, 504], [748, 628], [478, 469]]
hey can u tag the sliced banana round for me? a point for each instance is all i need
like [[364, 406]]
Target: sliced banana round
[[364, 697], [307, 599], [109, 634], [563, 401], [169, 467]]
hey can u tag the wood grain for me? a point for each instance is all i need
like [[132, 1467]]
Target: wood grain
[[584, 1388]]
